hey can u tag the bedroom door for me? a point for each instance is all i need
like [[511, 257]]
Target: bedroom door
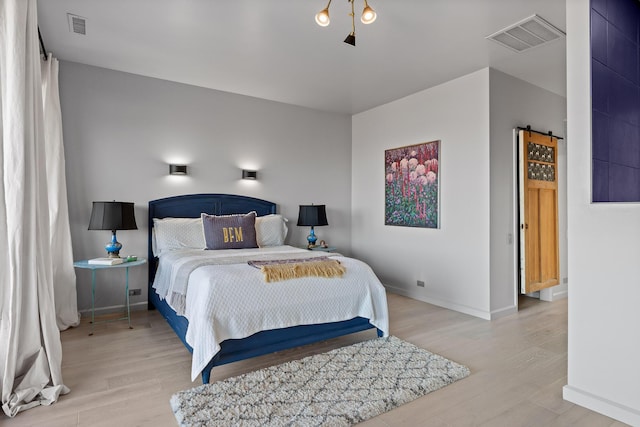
[[539, 249]]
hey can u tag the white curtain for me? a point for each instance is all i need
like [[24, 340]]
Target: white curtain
[[64, 275], [30, 348]]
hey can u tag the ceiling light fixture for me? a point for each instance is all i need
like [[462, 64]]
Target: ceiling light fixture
[[322, 17], [368, 16]]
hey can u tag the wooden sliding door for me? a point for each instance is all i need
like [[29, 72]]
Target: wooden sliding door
[[538, 180]]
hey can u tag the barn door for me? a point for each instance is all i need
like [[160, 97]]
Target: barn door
[[539, 252]]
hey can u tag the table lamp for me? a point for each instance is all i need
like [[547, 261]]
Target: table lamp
[[312, 215], [113, 216]]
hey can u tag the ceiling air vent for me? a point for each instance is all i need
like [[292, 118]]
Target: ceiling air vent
[[77, 24], [530, 32]]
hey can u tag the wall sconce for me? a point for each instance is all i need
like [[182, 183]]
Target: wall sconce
[[178, 169], [247, 174]]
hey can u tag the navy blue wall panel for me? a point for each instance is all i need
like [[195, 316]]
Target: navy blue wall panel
[[615, 100]]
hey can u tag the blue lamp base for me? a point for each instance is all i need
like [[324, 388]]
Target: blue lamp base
[[311, 238], [113, 247]]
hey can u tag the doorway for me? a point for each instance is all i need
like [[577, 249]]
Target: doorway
[[543, 179]]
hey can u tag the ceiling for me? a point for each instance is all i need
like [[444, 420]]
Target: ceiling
[[273, 49]]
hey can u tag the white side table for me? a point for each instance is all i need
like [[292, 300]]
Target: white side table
[[93, 267]]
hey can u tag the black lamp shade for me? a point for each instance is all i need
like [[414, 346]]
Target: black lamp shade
[[112, 216], [312, 215], [351, 39]]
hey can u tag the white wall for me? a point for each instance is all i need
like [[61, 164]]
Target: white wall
[[604, 266], [453, 260], [468, 264], [515, 103], [122, 130]]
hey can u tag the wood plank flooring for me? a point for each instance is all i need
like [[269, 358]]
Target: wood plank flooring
[[122, 377]]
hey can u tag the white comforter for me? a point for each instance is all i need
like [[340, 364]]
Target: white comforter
[[232, 300]]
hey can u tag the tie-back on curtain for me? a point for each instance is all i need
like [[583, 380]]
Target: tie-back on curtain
[[30, 348]]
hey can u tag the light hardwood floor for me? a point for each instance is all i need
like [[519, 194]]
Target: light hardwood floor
[[122, 377]]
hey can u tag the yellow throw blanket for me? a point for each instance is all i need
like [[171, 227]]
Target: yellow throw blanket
[[325, 268]]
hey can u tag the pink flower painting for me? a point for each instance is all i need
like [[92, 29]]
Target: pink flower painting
[[412, 185]]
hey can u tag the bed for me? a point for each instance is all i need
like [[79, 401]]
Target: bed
[[263, 341]]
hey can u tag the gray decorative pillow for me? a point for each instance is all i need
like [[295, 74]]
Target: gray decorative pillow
[[230, 231]]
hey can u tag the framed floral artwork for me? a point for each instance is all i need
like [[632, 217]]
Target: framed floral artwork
[[412, 185]]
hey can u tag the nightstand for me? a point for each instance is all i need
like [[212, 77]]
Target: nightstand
[[93, 267]]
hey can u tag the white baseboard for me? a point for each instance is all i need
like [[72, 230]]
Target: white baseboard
[[603, 406], [502, 312], [551, 294], [113, 309], [440, 303], [560, 295]]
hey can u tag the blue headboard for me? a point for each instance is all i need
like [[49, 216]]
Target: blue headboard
[[192, 205]]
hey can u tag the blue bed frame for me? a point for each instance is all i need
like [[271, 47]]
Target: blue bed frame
[[264, 342]]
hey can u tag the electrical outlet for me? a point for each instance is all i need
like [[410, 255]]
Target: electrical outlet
[[134, 292], [565, 280], [420, 283]]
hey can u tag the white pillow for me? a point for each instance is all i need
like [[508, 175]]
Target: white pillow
[[177, 233], [271, 230]]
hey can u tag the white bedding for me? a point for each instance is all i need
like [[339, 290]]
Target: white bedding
[[232, 300]]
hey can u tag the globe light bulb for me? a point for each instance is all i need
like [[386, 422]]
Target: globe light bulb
[[368, 15], [322, 17]]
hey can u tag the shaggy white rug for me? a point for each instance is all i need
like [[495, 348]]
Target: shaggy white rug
[[339, 388]]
